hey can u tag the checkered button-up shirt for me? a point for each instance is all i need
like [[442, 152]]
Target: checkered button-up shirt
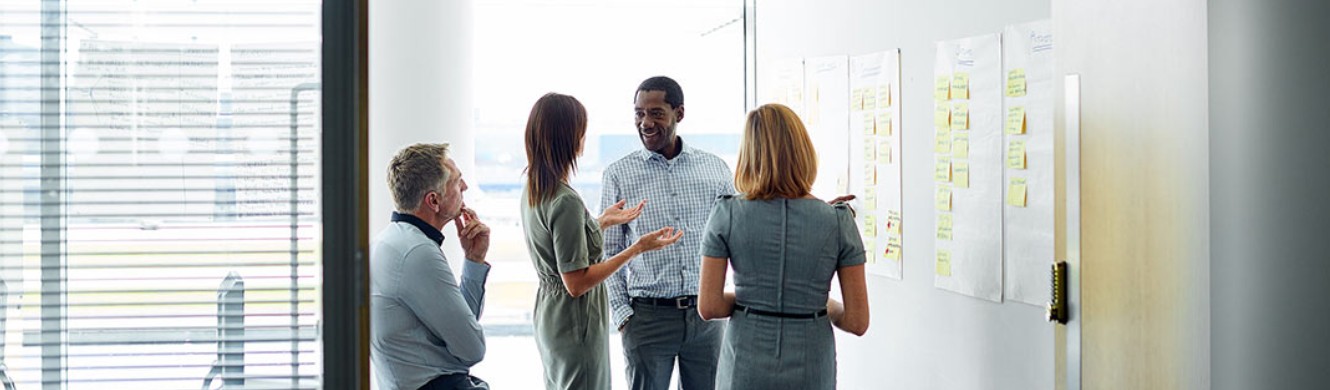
[[680, 193]]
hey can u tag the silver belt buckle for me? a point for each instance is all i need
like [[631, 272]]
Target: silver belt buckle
[[681, 303]]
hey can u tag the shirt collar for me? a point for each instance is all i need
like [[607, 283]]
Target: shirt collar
[[683, 150], [430, 231]]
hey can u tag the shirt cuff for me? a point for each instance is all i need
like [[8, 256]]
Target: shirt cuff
[[475, 271], [621, 314]]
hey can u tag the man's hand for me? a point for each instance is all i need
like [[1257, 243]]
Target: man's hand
[[842, 198], [616, 215], [473, 234]]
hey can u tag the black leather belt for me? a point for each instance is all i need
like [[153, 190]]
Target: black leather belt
[[749, 310], [684, 302]]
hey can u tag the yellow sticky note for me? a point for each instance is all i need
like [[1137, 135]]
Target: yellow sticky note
[[894, 222], [870, 150], [1016, 192], [944, 198], [868, 123], [942, 143], [1016, 120], [884, 96], [960, 144], [960, 116], [960, 85], [943, 263], [883, 123], [870, 226], [870, 198], [944, 226], [884, 151], [960, 174], [870, 251], [942, 171], [870, 99], [856, 99], [893, 251], [1016, 82], [942, 88], [942, 116], [870, 174], [1016, 154]]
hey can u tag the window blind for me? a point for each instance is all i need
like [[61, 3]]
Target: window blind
[[159, 188]]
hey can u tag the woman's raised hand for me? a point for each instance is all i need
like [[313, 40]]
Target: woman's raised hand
[[617, 215], [661, 238]]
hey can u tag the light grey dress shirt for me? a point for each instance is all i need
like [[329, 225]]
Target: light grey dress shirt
[[680, 193], [424, 323]]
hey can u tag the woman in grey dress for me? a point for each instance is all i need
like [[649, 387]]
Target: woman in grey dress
[[784, 246], [571, 314]]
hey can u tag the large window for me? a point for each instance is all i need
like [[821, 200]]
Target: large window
[[159, 165], [597, 51]]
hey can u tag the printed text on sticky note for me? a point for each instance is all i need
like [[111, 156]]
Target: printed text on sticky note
[[944, 198], [942, 172], [884, 151], [894, 221], [1016, 82], [944, 226], [960, 85], [960, 144], [1016, 192], [893, 251], [869, 123], [856, 99], [942, 142], [1016, 120], [884, 96], [870, 150], [943, 263], [870, 226], [883, 125], [960, 116], [942, 88], [942, 116], [1016, 154], [870, 173], [960, 174], [870, 198]]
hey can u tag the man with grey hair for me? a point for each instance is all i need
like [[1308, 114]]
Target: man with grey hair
[[424, 322]]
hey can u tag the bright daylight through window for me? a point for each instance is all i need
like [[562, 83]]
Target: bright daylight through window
[[597, 51], [159, 221]]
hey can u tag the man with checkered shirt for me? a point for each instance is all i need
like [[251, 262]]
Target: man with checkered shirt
[[653, 299]]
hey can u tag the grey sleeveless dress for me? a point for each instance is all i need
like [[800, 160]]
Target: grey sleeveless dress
[[784, 253]]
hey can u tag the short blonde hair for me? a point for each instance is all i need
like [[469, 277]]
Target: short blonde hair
[[415, 171], [776, 157]]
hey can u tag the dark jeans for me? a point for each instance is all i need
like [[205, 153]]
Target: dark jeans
[[456, 382], [656, 336]]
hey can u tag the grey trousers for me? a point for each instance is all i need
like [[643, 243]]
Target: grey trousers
[[656, 336]]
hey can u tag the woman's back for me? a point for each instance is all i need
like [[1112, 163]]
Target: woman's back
[[784, 252]]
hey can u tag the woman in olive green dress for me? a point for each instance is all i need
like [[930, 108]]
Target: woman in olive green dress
[[571, 314]]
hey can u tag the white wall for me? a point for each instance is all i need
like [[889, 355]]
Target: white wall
[[921, 337], [419, 88]]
